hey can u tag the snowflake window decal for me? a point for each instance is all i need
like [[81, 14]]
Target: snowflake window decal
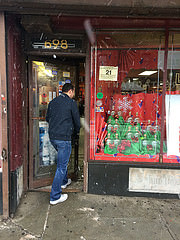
[[124, 104]]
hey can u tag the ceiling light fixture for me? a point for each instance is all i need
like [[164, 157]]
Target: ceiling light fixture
[[147, 73], [48, 73]]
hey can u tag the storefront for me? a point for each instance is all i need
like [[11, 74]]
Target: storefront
[[126, 72], [38, 65], [134, 119]]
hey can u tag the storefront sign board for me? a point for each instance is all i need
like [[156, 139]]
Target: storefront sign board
[[44, 42], [154, 180]]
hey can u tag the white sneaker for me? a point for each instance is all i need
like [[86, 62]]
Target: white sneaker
[[60, 200], [68, 183]]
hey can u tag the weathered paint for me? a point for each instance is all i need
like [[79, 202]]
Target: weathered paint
[[133, 180], [16, 188], [15, 93], [4, 141], [154, 180], [81, 7]]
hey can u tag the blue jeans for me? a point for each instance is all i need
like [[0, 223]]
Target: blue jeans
[[60, 178]]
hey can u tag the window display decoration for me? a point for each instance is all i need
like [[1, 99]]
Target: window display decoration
[[128, 59], [129, 128], [132, 132], [127, 136], [99, 95], [132, 126]]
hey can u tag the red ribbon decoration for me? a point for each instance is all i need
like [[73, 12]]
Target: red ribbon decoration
[[124, 143], [113, 130], [111, 145], [149, 147], [135, 139]]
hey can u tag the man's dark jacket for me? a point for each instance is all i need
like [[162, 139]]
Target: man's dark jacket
[[63, 118]]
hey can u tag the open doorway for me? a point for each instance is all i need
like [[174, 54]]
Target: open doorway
[[46, 78]]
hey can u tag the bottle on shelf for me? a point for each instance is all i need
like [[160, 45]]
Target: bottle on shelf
[[148, 128], [110, 126], [145, 142], [129, 133], [137, 133], [116, 141], [136, 119], [109, 141], [120, 118], [116, 126], [129, 118], [112, 114]]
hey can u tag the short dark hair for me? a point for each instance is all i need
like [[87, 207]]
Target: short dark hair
[[66, 87]]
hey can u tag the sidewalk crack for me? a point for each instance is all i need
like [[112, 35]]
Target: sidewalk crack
[[26, 234], [46, 220], [166, 225]]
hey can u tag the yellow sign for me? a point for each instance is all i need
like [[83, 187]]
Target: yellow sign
[[108, 73], [66, 74], [177, 78]]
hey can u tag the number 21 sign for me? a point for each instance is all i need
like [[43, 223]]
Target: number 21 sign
[[108, 73]]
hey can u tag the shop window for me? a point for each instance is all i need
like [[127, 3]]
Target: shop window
[[172, 100], [126, 88]]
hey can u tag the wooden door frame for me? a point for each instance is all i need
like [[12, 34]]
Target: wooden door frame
[[42, 182], [87, 116], [4, 118], [33, 183]]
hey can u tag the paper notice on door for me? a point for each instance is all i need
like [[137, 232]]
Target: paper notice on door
[[54, 95], [50, 96], [173, 124]]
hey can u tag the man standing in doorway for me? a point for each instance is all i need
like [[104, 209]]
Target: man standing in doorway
[[63, 118]]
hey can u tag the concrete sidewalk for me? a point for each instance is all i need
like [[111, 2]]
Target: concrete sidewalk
[[88, 217]]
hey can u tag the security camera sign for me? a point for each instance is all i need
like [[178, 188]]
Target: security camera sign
[[108, 73]]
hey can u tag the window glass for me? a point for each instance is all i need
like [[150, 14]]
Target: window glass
[[47, 82], [127, 80], [172, 101]]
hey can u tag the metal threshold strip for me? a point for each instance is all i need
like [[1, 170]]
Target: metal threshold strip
[[76, 186], [45, 189]]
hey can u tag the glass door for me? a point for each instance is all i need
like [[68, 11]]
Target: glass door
[[46, 81]]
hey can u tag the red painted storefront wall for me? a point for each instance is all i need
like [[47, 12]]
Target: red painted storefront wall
[[15, 93]]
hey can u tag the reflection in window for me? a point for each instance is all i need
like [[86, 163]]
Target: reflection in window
[[47, 82], [172, 100]]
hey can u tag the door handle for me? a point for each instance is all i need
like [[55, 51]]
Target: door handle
[[4, 154]]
